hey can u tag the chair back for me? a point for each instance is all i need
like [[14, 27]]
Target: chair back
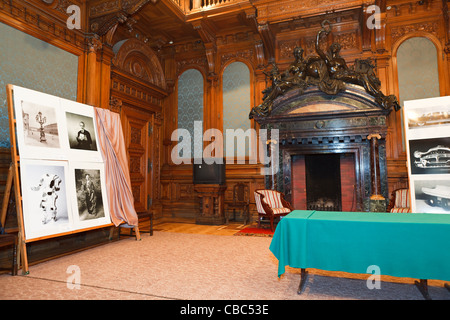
[[241, 193], [402, 199], [271, 198]]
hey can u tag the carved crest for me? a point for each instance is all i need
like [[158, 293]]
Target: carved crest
[[328, 71]]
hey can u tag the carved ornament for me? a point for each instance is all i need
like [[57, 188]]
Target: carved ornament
[[326, 71]]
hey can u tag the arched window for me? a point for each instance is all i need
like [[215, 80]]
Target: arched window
[[190, 106], [418, 75], [236, 108]]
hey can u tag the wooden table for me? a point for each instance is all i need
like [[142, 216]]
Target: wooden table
[[408, 245]]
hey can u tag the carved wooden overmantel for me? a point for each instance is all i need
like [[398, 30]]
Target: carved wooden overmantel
[[319, 105], [317, 123]]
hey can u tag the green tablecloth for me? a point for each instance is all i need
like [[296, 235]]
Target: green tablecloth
[[401, 244]]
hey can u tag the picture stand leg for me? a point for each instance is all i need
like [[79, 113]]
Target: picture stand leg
[[111, 232], [137, 233], [303, 280], [423, 288]]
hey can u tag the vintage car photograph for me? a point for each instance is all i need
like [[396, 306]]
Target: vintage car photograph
[[430, 119], [430, 156], [436, 157]]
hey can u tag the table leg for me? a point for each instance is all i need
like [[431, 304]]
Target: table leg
[[423, 288], [303, 279]]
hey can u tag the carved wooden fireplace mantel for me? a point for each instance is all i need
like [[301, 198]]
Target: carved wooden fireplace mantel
[[322, 107], [317, 123]]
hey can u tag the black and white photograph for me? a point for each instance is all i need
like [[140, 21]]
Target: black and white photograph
[[81, 132], [430, 156], [427, 141], [90, 206], [429, 117], [39, 125], [46, 205], [432, 196]]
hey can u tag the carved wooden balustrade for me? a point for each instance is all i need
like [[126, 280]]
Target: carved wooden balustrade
[[192, 6]]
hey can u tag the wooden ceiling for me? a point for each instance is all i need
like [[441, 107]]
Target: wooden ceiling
[[164, 23]]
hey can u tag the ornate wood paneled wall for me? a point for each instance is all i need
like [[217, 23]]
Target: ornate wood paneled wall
[[139, 79], [271, 33]]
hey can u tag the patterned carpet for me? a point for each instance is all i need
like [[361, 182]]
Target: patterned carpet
[[173, 265]]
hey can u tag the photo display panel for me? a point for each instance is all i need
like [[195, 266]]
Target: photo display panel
[[427, 139], [61, 165]]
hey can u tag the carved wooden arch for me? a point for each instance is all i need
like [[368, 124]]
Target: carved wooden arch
[[195, 67], [137, 59], [249, 62]]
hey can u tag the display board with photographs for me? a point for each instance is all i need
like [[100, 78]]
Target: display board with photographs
[[61, 167], [427, 133]]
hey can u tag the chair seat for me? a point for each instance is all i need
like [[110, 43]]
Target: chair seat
[[401, 210], [400, 201], [271, 204], [280, 210]]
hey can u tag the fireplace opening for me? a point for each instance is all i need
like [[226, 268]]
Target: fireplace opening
[[323, 182], [329, 176]]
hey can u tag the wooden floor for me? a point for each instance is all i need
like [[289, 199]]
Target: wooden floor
[[189, 226]]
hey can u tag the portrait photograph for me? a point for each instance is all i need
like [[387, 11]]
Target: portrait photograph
[[80, 131], [39, 125], [46, 204], [81, 134], [90, 205]]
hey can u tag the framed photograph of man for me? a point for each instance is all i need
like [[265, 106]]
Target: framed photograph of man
[[39, 125], [45, 197], [90, 202], [81, 131]]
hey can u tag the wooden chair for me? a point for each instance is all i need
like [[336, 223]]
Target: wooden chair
[[400, 201], [241, 201], [271, 204], [7, 240], [130, 233]]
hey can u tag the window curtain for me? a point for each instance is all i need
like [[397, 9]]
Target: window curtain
[[117, 175]]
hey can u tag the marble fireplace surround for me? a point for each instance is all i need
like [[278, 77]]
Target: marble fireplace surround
[[350, 122]]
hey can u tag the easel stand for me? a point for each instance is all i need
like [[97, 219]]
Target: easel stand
[[13, 176]]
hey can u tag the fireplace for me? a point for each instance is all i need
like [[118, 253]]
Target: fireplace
[[327, 112], [325, 132], [323, 182]]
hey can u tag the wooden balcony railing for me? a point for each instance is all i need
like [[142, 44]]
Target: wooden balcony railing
[[191, 6]]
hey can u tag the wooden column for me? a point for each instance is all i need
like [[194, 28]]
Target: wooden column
[[377, 201], [92, 72]]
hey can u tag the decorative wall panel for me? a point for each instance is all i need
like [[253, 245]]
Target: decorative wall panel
[[190, 102], [236, 100], [31, 63]]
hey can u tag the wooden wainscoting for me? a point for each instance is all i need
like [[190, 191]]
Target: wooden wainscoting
[[179, 200]]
